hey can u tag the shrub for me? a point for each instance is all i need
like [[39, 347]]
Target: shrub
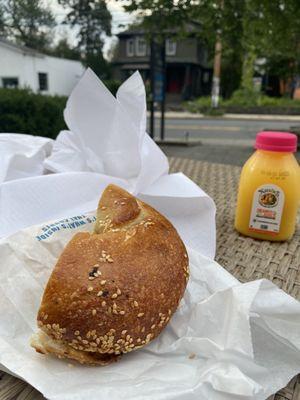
[[203, 105], [247, 101], [243, 97], [21, 111], [112, 85]]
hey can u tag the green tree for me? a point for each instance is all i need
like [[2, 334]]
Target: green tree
[[93, 21], [28, 22], [249, 29], [64, 50], [213, 18]]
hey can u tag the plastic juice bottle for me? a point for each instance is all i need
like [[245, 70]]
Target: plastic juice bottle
[[269, 189]]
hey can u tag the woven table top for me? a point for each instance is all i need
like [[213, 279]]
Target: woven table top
[[247, 259]]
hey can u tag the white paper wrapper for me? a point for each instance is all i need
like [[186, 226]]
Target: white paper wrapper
[[226, 341]]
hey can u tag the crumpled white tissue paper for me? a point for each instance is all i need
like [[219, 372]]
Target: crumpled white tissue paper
[[107, 143], [227, 341]]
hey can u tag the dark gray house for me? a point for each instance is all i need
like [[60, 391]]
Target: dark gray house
[[188, 74]]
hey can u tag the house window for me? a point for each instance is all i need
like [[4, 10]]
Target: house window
[[205, 77], [10, 83], [141, 46], [170, 47], [43, 81], [130, 47]]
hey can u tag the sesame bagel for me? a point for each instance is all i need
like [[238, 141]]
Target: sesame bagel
[[113, 291]]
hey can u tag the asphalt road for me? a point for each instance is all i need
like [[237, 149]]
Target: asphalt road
[[220, 140]]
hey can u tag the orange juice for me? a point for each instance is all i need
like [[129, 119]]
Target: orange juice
[[269, 189]]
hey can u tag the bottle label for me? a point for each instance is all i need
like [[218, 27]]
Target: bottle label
[[266, 212]]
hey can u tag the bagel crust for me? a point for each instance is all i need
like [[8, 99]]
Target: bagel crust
[[113, 291]]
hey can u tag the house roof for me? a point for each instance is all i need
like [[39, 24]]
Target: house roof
[[19, 48], [189, 27]]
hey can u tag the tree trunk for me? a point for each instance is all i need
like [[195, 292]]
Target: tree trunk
[[215, 93]]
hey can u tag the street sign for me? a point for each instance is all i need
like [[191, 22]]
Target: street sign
[[158, 70], [158, 81]]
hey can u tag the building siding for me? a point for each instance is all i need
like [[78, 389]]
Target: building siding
[[62, 74], [187, 51]]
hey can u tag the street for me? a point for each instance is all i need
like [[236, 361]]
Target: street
[[223, 140]]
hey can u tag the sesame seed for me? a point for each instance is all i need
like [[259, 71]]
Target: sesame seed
[[90, 288], [85, 341], [100, 293], [114, 296], [143, 329], [94, 312], [103, 304], [93, 344], [122, 312], [140, 314], [109, 259], [139, 340], [135, 303], [114, 306], [48, 326], [115, 311], [153, 326], [76, 333], [127, 337], [124, 332], [118, 292], [103, 282]]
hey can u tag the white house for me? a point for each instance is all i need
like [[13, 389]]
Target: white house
[[24, 67]]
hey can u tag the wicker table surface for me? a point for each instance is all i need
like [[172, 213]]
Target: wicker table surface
[[247, 259]]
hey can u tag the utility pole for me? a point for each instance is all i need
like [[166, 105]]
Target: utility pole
[[158, 83]]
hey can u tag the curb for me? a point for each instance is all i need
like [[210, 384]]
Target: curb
[[265, 117], [246, 143]]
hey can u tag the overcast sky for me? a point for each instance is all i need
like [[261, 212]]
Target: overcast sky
[[118, 14]]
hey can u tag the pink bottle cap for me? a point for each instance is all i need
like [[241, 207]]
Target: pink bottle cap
[[276, 141]]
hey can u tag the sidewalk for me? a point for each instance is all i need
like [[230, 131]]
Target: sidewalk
[[188, 115]]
